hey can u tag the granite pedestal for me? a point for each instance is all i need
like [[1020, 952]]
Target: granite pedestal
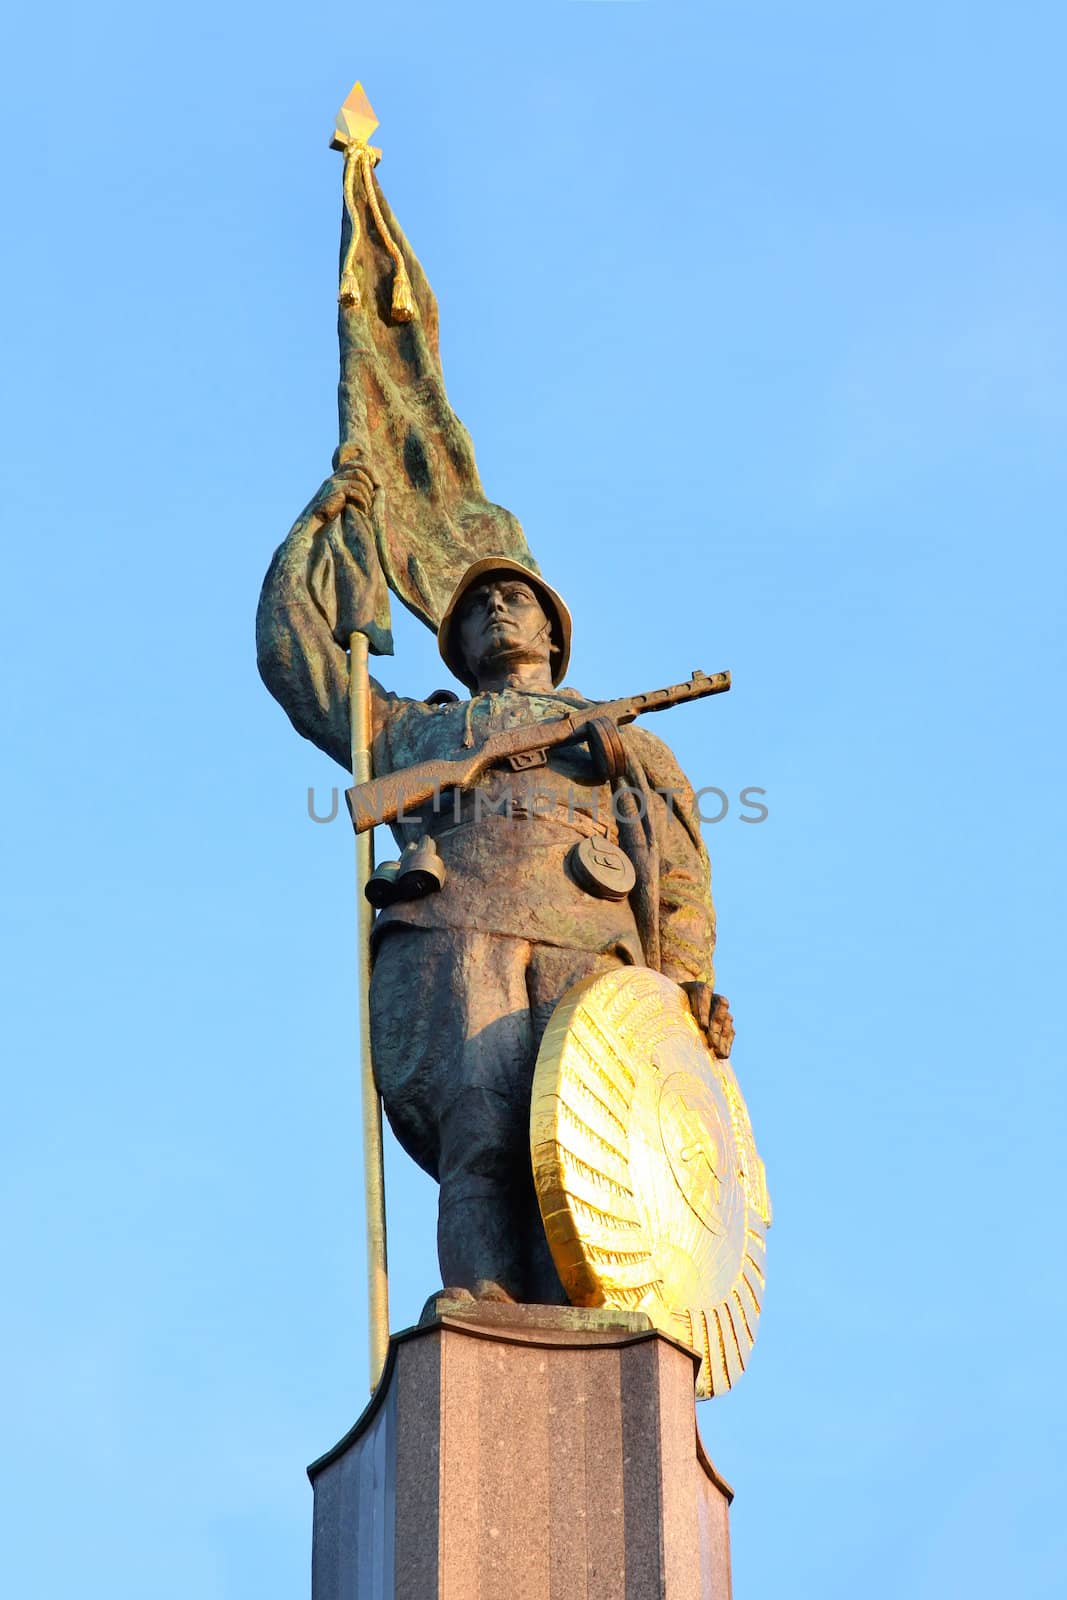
[[524, 1453]]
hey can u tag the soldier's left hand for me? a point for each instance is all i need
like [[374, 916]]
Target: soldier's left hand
[[712, 1013]]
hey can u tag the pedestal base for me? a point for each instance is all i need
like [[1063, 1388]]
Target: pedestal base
[[524, 1453]]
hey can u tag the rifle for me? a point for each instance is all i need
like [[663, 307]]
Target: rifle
[[391, 796]]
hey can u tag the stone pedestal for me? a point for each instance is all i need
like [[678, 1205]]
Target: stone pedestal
[[524, 1453]]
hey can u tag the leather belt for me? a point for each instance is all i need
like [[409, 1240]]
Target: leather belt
[[580, 822]]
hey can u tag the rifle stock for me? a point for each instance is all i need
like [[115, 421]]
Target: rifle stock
[[386, 799]]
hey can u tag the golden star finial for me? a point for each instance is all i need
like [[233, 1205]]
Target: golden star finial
[[355, 121]]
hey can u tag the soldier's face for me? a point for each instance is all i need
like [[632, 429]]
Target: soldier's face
[[503, 618]]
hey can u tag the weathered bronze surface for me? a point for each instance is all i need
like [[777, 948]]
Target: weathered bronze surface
[[399, 793], [653, 1196], [466, 979], [601, 869], [545, 842], [426, 517]]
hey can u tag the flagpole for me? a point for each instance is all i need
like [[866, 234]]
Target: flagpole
[[359, 713], [354, 125]]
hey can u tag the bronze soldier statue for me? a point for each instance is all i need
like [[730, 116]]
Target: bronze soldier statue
[[523, 874]]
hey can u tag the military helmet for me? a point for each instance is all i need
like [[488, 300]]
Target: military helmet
[[553, 604]]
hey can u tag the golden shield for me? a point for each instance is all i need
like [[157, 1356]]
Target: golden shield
[[651, 1191]]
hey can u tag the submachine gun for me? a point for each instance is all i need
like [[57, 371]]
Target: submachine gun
[[393, 795]]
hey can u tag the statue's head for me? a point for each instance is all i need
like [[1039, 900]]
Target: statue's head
[[501, 613]]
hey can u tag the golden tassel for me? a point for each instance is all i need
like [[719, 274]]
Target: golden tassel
[[364, 158], [404, 308], [348, 294]]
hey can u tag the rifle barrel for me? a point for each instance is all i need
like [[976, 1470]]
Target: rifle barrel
[[385, 798]]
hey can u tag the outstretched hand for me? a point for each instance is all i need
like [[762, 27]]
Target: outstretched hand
[[712, 1013]]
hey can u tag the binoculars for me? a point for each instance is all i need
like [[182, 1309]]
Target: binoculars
[[419, 872]]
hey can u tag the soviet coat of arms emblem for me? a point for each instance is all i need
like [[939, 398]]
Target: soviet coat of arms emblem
[[652, 1193]]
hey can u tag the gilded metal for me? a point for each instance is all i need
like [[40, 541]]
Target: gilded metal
[[359, 708], [354, 125], [403, 307], [356, 120], [652, 1194]]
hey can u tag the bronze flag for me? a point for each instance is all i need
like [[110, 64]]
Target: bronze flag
[[430, 517]]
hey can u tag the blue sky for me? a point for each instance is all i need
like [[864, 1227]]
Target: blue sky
[[757, 318]]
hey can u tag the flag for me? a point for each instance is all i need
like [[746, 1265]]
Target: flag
[[431, 518]]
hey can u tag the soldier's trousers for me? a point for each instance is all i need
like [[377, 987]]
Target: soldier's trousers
[[456, 1021]]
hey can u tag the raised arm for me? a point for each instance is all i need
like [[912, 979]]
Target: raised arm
[[324, 583]]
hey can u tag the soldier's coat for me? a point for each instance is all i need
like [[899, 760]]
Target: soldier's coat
[[465, 980]]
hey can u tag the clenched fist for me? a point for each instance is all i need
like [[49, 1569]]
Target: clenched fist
[[350, 485], [712, 1013]]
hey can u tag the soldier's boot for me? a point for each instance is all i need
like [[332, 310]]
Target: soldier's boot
[[478, 1243]]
